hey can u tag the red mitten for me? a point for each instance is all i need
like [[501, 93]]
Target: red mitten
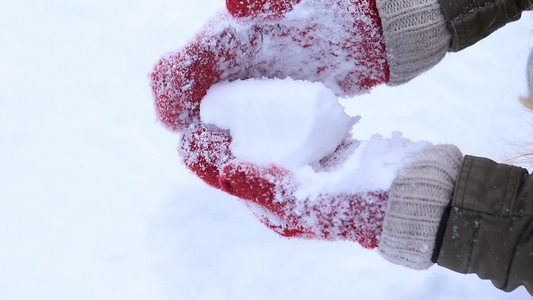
[[338, 43], [272, 190], [260, 9], [403, 220]]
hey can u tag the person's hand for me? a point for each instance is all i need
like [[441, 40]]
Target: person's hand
[[271, 194], [338, 43], [270, 191], [402, 220], [346, 44]]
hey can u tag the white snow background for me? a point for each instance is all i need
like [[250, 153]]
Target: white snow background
[[94, 203]]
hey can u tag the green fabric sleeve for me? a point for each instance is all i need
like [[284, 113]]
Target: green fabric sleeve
[[490, 227], [469, 21]]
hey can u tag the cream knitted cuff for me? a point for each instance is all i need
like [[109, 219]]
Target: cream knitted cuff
[[417, 200], [415, 34]]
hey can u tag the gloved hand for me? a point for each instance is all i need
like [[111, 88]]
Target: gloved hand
[[337, 44], [270, 191], [402, 222], [340, 43]]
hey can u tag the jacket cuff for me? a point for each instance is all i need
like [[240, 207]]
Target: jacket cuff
[[415, 35], [490, 226], [418, 198]]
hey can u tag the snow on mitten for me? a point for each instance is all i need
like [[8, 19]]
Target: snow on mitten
[[338, 43], [271, 191], [415, 32], [349, 45]]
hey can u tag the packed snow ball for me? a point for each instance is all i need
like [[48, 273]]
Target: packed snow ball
[[290, 123]]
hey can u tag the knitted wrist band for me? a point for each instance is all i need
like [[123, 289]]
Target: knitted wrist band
[[417, 200], [415, 35]]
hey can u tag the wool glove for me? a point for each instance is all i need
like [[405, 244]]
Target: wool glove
[[414, 32], [270, 191], [402, 222], [349, 45]]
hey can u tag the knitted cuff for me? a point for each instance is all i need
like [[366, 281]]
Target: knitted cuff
[[415, 35], [417, 200]]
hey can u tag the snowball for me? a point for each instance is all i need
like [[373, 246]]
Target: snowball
[[294, 124], [289, 123]]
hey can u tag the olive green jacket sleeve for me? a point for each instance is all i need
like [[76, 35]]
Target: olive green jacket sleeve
[[469, 21], [489, 229]]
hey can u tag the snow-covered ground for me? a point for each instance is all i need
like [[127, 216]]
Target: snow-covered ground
[[94, 203]]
